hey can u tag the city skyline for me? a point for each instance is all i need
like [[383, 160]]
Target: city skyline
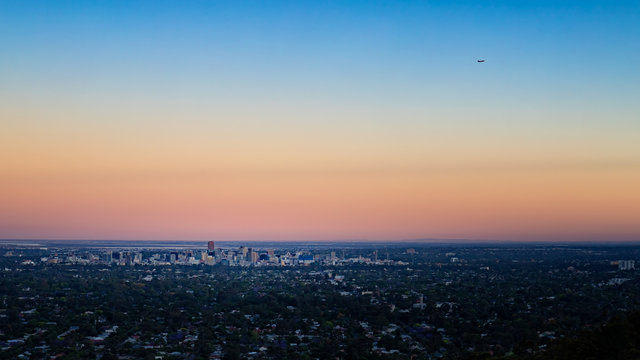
[[307, 121]]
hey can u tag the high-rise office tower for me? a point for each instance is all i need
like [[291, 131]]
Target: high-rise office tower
[[211, 246], [243, 250]]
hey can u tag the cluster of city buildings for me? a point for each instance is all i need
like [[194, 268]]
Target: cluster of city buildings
[[212, 255]]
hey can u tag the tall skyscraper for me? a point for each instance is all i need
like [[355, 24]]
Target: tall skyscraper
[[211, 246], [243, 250]]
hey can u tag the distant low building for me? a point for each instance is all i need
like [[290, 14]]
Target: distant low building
[[626, 264], [305, 259]]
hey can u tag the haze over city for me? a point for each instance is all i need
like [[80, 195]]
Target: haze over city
[[320, 120]]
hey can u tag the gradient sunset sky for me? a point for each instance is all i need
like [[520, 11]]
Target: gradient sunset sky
[[320, 120]]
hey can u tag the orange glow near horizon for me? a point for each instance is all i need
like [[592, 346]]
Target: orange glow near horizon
[[127, 181], [276, 201]]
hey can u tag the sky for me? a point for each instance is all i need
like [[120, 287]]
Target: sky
[[320, 120]]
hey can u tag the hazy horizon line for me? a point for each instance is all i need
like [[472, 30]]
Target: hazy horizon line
[[364, 241]]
